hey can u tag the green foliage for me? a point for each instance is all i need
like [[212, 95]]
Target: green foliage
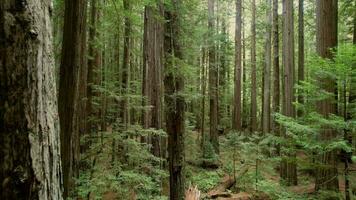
[[204, 179], [277, 192], [124, 167]]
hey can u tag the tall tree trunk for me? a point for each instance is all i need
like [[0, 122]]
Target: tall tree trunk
[[276, 70], [253, 70], [327, 177], [204, 77], [69, 85], [152, 72], [30, 163], [223, 68], [288, 167], [266, 108], [300, 50], [82, 116], [94, 62], [244, 80], [126, 66], [175, 103], [213, 80], [236, 123]]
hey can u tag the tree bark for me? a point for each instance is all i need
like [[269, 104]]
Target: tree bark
[[244, 74], [152, 72], [174, 100], [69, 85], [213, 80], [236, 123], [126, 67], [276, 70], [204, 83], [300, 50], [288, 165], [29, 126], [266, 108], [253, 70], [326, 20], [94, 63], [82, 116]]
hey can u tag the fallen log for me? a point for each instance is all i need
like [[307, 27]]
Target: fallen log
[[226, 183]]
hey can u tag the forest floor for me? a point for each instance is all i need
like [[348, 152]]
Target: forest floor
[[266, 186], [260, 184]]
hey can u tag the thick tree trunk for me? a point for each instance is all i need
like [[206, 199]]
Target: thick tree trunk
[[327, 177], [174, 100], [288, 165], [236, 123], [71, 61], [152, 72], [276, 70], [300, 49], [266, 108], [213, 80], [29, 126], [253, 70]]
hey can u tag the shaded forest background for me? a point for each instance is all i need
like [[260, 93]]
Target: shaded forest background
[[177, 99]]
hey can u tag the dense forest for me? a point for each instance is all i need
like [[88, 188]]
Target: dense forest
[[177, 99]]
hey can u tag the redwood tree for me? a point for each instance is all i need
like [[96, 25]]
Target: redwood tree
[[276, 70], [326, 38], [152, 71], [236, 122], [213, 79], [288, 167], [253, 70], [29, 126], [69, 84], [125, 114], [266, 105], [174, 99], [300, 48]]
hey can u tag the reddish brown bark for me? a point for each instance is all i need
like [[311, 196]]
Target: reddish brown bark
[[288, 170], [213, 80], [69, 85], [327, 175], [253, 70], [152, 72]]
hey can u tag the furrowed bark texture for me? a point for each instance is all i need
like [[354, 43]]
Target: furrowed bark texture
[[174, 100], [288, 165], [29, 127], [253, 70], [327, 175], [152, 72], [266, 108], [276, 70], [69, 84]]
